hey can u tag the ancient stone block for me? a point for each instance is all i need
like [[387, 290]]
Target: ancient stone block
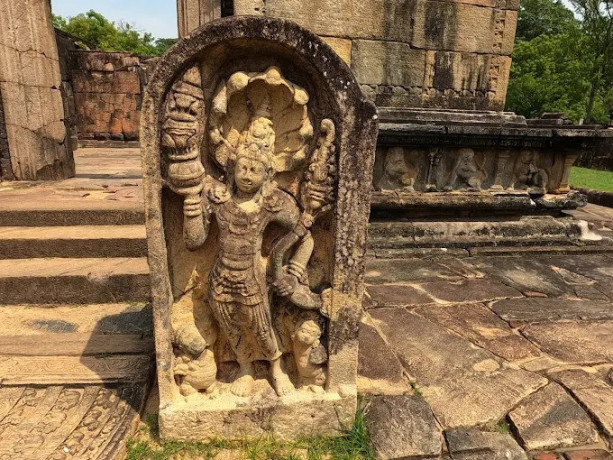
[[388, 63], [574, 342], [472, 444], [550, 418], [402, 427], [30, 81], [257, 311], [464, 385], [341, 46], [379, 371], [593, 393]]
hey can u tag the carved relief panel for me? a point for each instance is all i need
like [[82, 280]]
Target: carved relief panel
[[462, 169], [256, 232]]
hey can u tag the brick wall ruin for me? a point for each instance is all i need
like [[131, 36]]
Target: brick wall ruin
[[108, 94], [405, 53]]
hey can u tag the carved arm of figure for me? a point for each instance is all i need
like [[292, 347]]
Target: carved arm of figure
[[287, 279], [186, 177]]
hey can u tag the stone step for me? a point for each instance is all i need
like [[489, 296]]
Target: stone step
[[70, 217], [77, 344], [73, 280], [73, 241]]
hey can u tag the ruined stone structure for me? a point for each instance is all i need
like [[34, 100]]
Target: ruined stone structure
[[257, 145], [30, 82], [108, 94], [425, 53]]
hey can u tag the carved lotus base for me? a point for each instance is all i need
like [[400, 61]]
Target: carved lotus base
[[299, 415]]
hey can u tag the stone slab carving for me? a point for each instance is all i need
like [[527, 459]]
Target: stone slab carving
[[463, 169], [258, 144]]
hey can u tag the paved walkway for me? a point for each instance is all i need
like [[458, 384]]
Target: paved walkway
[[522, 345]]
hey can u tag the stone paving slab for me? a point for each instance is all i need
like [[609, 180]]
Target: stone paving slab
[[414, 270], [473, 290], [465, 385], [594, 394], [574, 342], [402, 427], [525, 275], [550, 419], [480, 325], [388, 295], [473, 444], [537, 310], [379, 370]]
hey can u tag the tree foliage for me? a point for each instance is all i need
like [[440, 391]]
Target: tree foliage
[[563, 62], [97, 32]]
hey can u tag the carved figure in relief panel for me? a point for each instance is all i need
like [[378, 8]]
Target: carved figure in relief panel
[[399, 172], [467, 173], [258, 126], [527, 175]]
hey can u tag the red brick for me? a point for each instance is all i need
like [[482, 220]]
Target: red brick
[[547, 456], [588, 455]]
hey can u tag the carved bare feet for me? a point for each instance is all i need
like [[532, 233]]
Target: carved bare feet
[[243, 385], [280, 380]]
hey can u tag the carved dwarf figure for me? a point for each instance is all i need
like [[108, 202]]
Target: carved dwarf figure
[[309, 353], [528, 176], [466, 174], [398, 172]]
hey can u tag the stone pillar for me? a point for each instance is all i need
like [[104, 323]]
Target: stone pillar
[[195, 13], [30, 82]]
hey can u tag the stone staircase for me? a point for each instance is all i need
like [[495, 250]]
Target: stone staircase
[[76, 346]]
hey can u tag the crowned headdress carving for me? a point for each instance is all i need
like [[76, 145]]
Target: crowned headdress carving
[[245, 109]]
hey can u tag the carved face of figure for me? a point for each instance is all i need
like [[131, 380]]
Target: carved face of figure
[[308, 333], [395, 163], [249, 175]]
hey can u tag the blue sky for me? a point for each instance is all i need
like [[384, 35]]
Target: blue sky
[[158, 17]]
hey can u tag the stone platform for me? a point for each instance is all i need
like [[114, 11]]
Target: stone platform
[[502, 353]]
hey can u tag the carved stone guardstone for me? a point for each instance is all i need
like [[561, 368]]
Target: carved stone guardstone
[[258, 153]]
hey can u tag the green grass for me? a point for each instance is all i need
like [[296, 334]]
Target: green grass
[[592, 179], [354, 445]]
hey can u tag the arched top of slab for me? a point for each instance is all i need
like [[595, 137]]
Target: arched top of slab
[[252, 36]]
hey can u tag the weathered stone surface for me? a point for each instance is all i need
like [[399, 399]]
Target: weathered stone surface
[[597, 268], [478, 290], [550, 418], [480, 445], [593, 393], [30, 83], [388, 63], [477, 323], [525, 275], [538, 310], [393, 271], [379, 371], [341, 46], [91, 421], [389, 295], [574, 342], [222, 325], [402, 427], [463, 384]]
